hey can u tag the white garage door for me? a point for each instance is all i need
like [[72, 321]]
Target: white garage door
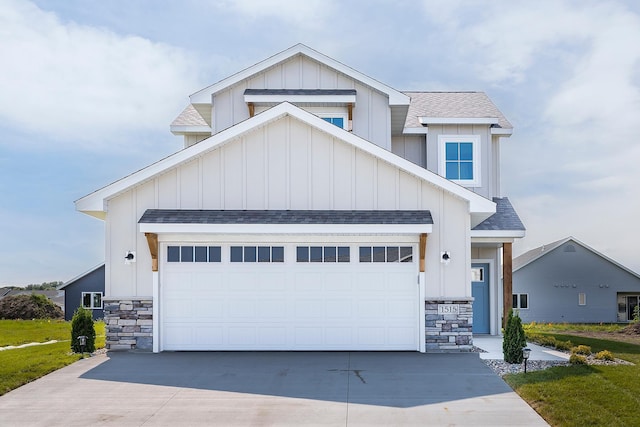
[[289, 297]]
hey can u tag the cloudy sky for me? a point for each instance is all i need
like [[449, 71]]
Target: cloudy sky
[[88, 89]]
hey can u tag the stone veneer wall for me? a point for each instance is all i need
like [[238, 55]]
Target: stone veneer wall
[[129, 323], [449, 332]]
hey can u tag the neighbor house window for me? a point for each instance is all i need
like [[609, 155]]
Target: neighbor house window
[[323, 254], [256, 254], [582, 298], [386, 254], [521, 301], [459, 159], [92, 300], [190, 253]]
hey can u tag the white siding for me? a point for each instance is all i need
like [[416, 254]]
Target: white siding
[[288, 165]]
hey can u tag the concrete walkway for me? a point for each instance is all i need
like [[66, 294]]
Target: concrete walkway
[[269, 388], [493, 347]]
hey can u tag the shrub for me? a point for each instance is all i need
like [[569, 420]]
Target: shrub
[[581, 349], [82, 324], [604, 355], [27, 307], [547, 341], [563, 345], [577, 359], [514, 339]]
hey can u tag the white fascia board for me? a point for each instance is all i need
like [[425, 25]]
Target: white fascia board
[[510, 234], [458, 120], [204, 96], [184, 129], [415, 131], [286, 228], [492, 240], [96, 200], [300, 99], [502, 131]]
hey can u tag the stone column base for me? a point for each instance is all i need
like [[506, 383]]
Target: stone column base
[[449, 329], [129, 323]]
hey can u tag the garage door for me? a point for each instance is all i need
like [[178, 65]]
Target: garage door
[[288, 297]]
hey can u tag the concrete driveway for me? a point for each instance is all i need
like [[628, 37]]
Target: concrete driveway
[[269, 388]]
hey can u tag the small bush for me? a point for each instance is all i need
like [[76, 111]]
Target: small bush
[[514, 340], [577, 359], [82, 324], [547, 341], [563, 345], [27, 307], [581, 349], [604, 355]]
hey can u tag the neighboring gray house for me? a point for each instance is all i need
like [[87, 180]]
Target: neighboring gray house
[[567, 281], [86, 289]]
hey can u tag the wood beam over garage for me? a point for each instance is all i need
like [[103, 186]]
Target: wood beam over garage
[[423, 251], [152, 241]]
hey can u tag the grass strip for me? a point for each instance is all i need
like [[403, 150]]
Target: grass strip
[[23, 365], [18, 332]]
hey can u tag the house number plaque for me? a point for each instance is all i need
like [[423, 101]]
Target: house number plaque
[[448, 309]]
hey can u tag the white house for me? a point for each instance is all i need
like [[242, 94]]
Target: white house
[[312, 208]]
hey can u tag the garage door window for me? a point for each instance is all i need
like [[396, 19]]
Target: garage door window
[[386, 254], [256, 254], [194, 254], [323, 254]]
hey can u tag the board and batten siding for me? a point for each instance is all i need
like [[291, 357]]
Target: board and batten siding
[[411, 147], [371, 114], [287, 164], [489, 181]]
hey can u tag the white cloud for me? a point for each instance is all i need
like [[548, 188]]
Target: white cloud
[[74, 82], [303, 14]]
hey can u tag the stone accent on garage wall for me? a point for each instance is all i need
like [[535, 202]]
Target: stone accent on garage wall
[[449, 329], [129, 323]]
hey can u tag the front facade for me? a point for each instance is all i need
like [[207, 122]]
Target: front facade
[[312, 208], [569, 282]]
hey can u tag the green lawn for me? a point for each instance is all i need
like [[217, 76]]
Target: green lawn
[[585, 395], [23, 365]]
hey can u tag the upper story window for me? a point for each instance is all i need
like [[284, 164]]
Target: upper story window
[[338, 121], [459, 159]]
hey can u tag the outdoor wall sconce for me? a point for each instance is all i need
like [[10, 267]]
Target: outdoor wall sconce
[[526, 352], [445, 257], [130, 257]]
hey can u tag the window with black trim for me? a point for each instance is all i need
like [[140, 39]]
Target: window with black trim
[[323, 254], [521, 301], [256, 253], [92, 300], [386, 254], [190, 253]]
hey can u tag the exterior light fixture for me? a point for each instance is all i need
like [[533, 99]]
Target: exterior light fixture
[[82, 341], [526, 352], [130, 257], [445, 257]]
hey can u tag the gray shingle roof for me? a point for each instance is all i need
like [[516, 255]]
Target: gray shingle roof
[[300, 92], [450, 105], [505, 217], [180, 216]]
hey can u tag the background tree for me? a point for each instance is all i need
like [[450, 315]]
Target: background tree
[[514, 339]]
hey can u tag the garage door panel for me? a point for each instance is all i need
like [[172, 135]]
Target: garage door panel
[[289, 306]]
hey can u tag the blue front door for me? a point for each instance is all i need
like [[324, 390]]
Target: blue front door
[[480, 293]]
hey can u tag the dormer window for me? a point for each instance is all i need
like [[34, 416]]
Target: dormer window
[[459, 159]]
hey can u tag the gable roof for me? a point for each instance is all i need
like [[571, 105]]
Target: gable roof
[[534, 254], [94, 203], [436, 106], [505, 222], [203, 96], [80, 276]]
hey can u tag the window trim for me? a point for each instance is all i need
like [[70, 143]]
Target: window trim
[[344, 117], [92, 300], [475, 140], [582, 299], [518, 306]]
